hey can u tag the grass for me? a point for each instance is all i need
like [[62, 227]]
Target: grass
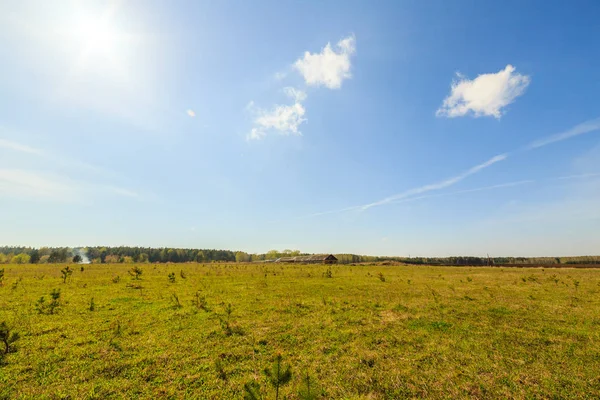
[[435, 332]]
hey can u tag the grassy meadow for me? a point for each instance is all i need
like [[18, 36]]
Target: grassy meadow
[[358, 332]]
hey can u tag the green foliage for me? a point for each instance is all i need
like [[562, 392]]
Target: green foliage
[[51, 307], [307, 392], [136, 272], [278, 375], [20, 259], [176, 302], [200, 301], [8, 338], [66, 273], [77, 259], [252, 391], [220, 369], [172, 277]]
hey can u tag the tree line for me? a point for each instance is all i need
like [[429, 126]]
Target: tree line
[[127, 254]]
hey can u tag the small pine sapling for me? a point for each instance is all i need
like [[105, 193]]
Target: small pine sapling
[[381, 277], [136, 272], [252, 391], [92, 305], [278, 375], [66, 273], [2, 277], [176, 302], [172, 277], [308, 391], [49, 308], [8, 338]]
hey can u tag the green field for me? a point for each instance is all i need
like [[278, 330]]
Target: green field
[[365, 332]]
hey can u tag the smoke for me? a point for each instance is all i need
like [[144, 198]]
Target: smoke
[[84, 257]]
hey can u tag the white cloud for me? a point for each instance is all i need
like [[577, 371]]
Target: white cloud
[[298, 95], [485, 95], [283, 119], [329, 67]]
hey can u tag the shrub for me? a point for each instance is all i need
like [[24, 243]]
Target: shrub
[[2, 277], [92, 304], [172, 277], [381, 277]]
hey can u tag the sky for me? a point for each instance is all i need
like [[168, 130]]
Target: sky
[[399, 128]]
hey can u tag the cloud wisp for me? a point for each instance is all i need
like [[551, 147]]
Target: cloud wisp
[[10, 145], [486, 95], [37, 185]]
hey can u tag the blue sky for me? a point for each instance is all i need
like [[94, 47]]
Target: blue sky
[[401, 128]]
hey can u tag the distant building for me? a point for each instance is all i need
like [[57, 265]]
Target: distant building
[[313, 259]]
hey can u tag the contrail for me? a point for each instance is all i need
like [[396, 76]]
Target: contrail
[[439, 185], [586, 127]]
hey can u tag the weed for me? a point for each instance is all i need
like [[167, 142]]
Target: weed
[[92, 305], [171, 277], [328, 273], [116, 279], [381, 277]]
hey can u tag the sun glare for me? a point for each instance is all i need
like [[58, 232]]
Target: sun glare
[[96, 36]]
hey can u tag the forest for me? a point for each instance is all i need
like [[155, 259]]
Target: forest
[[128, 255]]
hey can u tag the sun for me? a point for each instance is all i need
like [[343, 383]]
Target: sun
[[96, 36]]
